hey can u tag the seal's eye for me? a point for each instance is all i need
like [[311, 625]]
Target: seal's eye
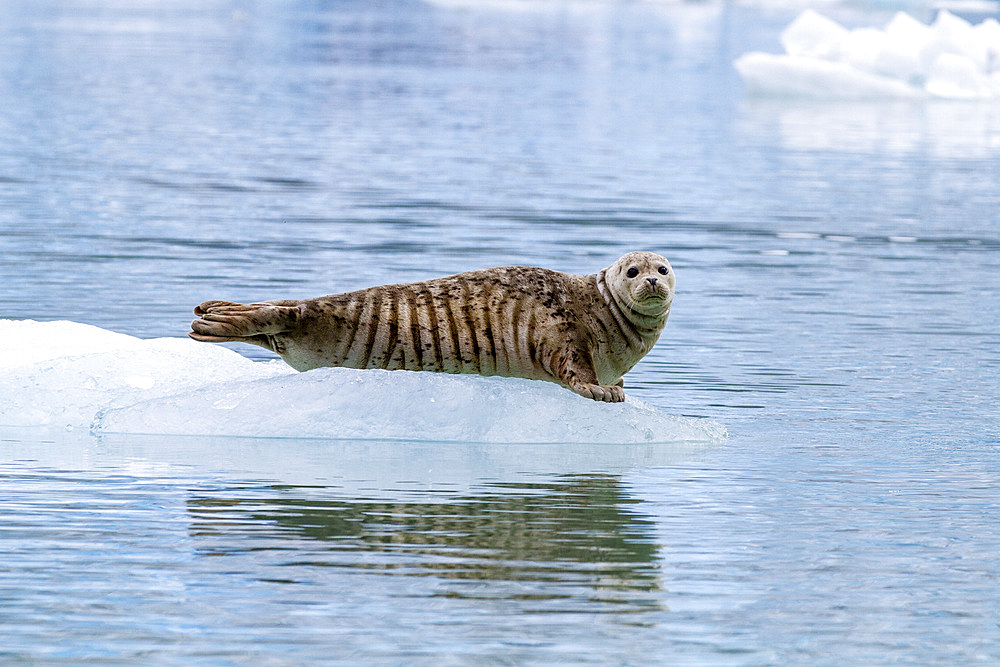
[[632, 273], [663, 271]]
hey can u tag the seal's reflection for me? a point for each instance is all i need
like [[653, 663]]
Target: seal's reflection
[[570, 541]]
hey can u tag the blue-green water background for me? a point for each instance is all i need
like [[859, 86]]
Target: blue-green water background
[[837, 310]]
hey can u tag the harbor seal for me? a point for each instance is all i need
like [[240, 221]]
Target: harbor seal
[[582, 332]]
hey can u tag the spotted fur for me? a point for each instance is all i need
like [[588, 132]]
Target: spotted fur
[[583, 332]]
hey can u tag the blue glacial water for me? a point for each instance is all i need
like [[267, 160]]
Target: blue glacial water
[[837, 311]]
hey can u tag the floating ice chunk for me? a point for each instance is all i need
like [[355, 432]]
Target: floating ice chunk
[[908, 33], [402, 405], [140, 381], [863, 47], [950, 58], [27, 342], [955, 35], [956, 77], [62, 373], [906, 42], [775, 75], [76, 376], [894, 63], [987, 35], [813, 35]]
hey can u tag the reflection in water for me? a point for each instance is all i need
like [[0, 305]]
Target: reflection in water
[[564, 544], [944, 130]]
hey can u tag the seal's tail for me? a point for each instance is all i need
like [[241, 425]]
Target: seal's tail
[[257, 323]]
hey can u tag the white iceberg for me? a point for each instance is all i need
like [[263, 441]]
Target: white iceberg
[[812, 35], [771, 75], [76, 376], [949, 59]]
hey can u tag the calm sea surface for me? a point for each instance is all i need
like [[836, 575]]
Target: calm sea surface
[[838, 310]]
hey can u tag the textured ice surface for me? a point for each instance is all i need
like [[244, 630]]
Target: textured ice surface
[[950, 59], [62, 373], [65, 374]]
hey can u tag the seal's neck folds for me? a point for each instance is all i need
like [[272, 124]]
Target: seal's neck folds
[[647, 326]]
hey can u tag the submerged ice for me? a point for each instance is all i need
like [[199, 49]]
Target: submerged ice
[[949, 59], [71, 375]]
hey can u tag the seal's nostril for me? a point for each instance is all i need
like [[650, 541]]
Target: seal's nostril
[[652, 281]]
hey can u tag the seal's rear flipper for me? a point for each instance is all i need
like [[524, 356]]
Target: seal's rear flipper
[[256, 323], [205, 307]]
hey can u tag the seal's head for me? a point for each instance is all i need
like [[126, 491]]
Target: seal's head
[[643, 285]]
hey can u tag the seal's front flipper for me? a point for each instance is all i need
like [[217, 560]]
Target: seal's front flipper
[[600, 392], [255, 323], [575, 369]]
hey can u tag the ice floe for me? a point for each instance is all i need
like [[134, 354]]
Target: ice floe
[[949, 59], [77, 376]]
